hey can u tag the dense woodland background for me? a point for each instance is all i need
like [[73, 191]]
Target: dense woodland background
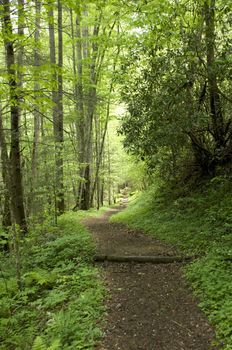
[[64, 66], [76, 78], [59, 62]]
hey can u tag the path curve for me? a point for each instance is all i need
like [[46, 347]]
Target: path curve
[[150, 307]]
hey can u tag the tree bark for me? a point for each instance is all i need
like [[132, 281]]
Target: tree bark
[[80, 124], [91, 105], [57, 101], [101, 149], [6, 220], [21, 20], [16, 187], [36, 136], [214, 96], [59, 133]]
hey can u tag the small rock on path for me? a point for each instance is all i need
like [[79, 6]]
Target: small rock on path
[[150, 307]]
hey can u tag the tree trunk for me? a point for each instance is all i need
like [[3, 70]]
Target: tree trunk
[[80, 124], [91, 105], [59, 133], [6, 221], [100, 153], [109, 171], [20, 55], [36, 136], [57, 113], [215, 102], [16, 188], [101, 148], [209, 153]]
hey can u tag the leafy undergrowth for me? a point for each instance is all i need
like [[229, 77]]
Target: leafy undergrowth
[[60, 302], [199, 223]]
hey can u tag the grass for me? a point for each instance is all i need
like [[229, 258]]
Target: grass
[[60, 303], [197, 223]]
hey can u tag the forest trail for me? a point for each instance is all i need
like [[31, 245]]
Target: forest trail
[[150, 307]]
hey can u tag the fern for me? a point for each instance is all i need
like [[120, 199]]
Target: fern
[[46, 314], [55, 345], [40, 277], [39, 344]]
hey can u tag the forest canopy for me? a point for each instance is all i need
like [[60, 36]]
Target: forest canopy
[[58, 63], [177, 86], [66, 65]]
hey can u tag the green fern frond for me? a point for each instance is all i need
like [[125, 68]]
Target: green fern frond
[[39, 344], [55, 345]]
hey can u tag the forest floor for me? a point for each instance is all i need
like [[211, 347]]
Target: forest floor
[[149, 307]]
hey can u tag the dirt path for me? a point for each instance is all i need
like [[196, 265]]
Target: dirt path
[[150, 307]]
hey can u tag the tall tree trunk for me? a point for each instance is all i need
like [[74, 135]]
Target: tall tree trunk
[[78, 97], [6, 220], [81, 123], [16, 187], [100, 153], [57, 114], [36, 136], [20, 55], [215, 103], [91, 105], [101, 149], [109, 171], [59, 133], [97, 133]]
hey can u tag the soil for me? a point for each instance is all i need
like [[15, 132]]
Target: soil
[[149, 307]]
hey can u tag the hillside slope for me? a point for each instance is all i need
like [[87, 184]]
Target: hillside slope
[[198, 223]]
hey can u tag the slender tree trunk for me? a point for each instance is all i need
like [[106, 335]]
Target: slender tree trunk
[[59, 133], [91, 105], [81, 126], [96, 184], [102, 193], [16, 188], [109, 171], [88, 51], [36, 136], [57, 113], [6, 220], [215, 103], [100, 153], [85, 115], [20, 55]]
